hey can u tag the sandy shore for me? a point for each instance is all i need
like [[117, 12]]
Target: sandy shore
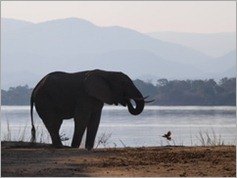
[[23, 159]]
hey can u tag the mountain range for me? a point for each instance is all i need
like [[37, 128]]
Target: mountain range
[[211, 44], [31, 50]]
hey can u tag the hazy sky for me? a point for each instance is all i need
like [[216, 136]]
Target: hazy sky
[[144, 16]]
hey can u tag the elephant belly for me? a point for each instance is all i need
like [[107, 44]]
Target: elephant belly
[[47, 110], [64, 113]]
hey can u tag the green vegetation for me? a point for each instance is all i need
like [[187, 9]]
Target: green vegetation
[[165, 92], [190, 92], [19, 95]]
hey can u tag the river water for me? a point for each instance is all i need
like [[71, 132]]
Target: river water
[[189, 125]]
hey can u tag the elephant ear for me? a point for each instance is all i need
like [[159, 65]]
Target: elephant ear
[[97, 86]]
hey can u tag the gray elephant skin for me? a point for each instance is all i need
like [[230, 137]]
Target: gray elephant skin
[[81, 96]]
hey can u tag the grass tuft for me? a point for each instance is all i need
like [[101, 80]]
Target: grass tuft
[[207, 139], [103, 139]]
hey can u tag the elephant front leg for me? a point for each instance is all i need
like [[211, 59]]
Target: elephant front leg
[[92, 129], [80, 126]]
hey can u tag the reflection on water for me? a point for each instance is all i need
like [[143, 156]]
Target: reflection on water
[[185, 122]]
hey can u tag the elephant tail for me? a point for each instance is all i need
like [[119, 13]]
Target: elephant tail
[[33, 137]]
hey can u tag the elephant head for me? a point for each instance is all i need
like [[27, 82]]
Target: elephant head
[[114, 88]]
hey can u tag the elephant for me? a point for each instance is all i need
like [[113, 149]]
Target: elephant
[[81, 96]]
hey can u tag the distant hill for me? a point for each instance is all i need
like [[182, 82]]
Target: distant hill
[[30, 50], [212, 44], [11, 25]]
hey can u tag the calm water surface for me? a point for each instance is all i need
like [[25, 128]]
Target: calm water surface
[[123, 129]]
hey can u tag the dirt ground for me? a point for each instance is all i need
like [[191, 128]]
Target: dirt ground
[[23, 159]]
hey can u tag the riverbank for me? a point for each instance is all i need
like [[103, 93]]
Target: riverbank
[[22, 159]]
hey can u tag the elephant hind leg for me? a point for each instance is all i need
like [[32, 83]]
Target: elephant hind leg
[[53, 126], [92, 129]]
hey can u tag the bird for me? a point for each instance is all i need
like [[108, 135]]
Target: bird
[[167, 136]]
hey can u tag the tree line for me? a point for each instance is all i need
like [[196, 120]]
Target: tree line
[[164, 92], [191, 92]]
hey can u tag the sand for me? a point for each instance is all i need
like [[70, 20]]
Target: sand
[[41, 160]]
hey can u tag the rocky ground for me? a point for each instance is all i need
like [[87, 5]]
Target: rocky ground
[[23, 159]]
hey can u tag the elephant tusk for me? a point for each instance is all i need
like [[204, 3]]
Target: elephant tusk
[[149, 101], [144, 99], [140, 99]]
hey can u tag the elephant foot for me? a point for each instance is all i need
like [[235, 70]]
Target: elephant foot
[[58, 146], [74, 146], [89, 148], [62, 147]]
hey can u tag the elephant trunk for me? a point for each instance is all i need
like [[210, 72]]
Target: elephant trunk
[[139, 106]]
